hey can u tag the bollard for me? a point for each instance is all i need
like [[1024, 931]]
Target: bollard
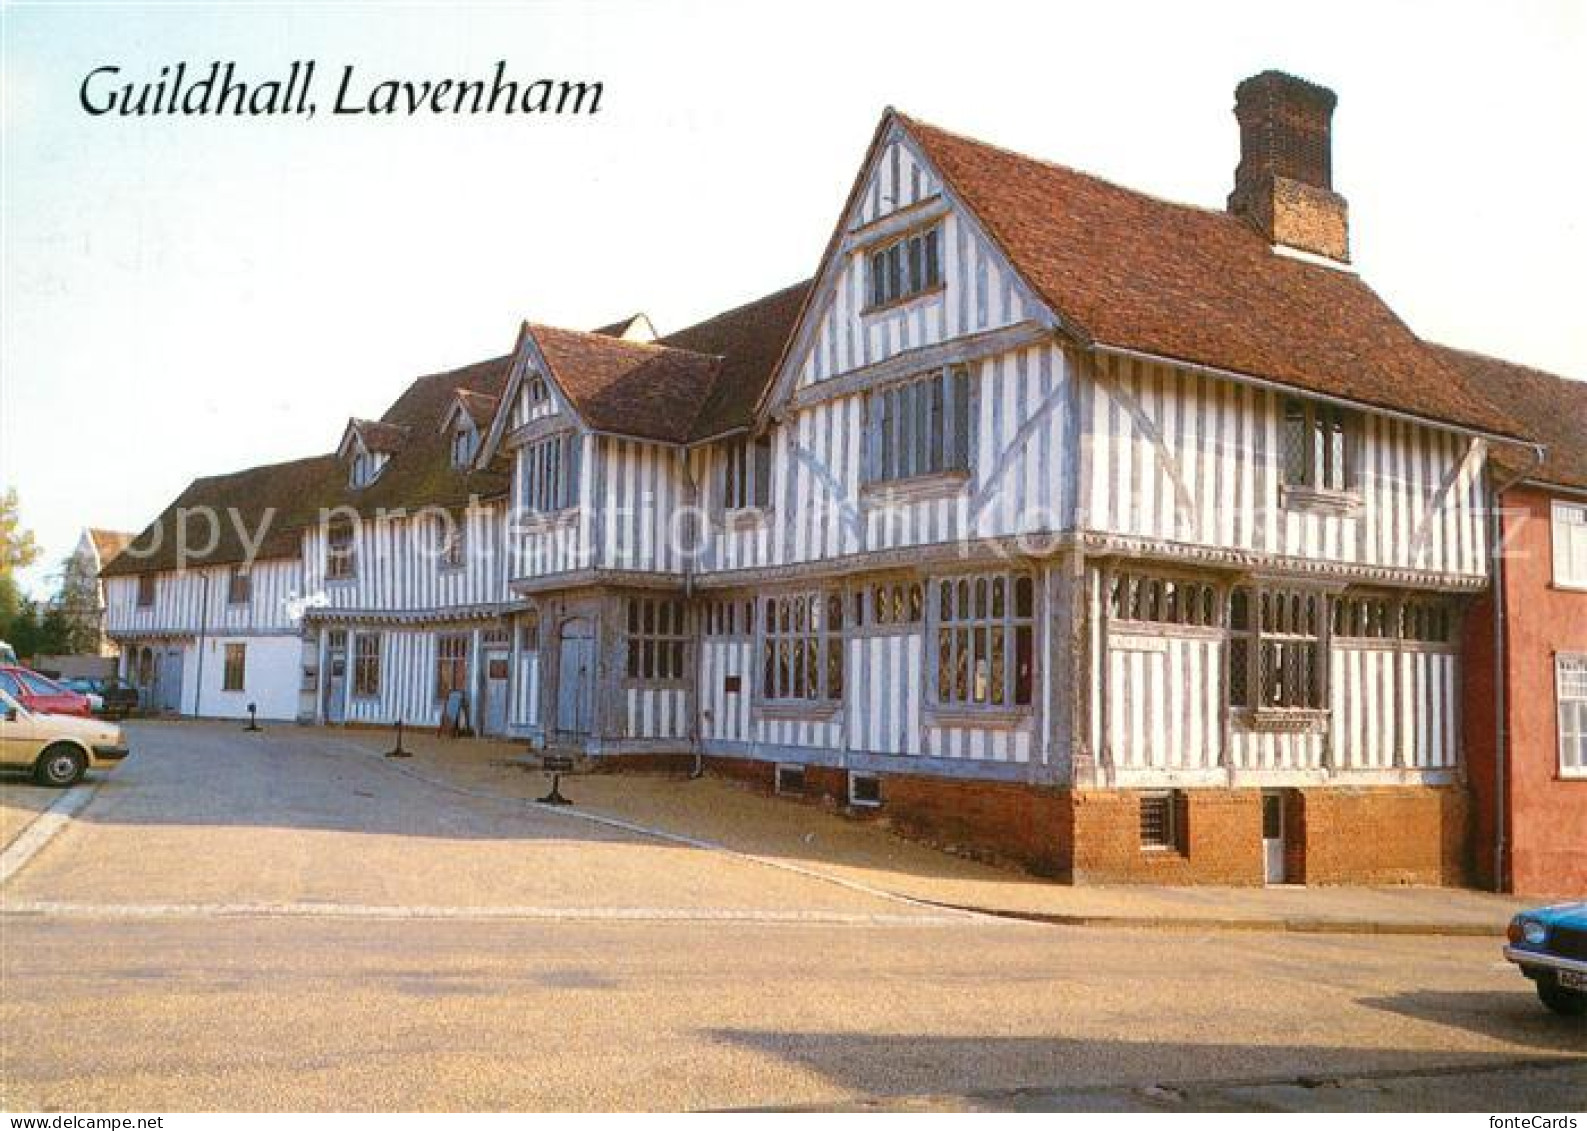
[[397, 751], [555, 765], [253, 722]]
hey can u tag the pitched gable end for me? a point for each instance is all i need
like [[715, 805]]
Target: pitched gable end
[[909, 266]]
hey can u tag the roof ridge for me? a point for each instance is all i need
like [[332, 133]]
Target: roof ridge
[[740, 308], [608, 340], [1072, 170]]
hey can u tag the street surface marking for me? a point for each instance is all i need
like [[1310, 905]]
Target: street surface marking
[[44, 828], [53, 908]]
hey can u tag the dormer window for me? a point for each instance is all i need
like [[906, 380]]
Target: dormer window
[[465, 445], [905, 268], [1319, 445], [366, 467]]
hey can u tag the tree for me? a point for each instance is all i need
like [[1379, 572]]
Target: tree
[[77, 603], [18, 550]]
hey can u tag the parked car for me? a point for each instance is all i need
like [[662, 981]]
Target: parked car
[[40, 694], [57, 749], [8, 654], [112, 698], [1550, 946]]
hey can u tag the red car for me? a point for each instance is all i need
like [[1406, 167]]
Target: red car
[[42, 695]]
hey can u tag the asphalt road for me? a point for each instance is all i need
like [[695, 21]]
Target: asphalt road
[[242, 924]]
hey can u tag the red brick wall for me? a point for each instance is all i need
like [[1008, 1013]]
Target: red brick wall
[[1222, 839], [1546, 815], [1386, 835], [1410, 834]]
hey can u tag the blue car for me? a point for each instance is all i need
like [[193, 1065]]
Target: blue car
[[1550, 946]]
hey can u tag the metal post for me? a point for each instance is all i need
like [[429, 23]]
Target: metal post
[[253, 721], [397, 751]]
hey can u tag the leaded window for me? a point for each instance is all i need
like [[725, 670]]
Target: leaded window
[[1276, 649], [920, 426], [892, 603], [802, 647], [657, 639], [985, 640], [1162, 600], [366, 665], [465, 443], [906, 267], [145, 590], [1318, 445]]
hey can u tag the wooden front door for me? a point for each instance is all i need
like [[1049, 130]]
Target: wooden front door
[[493, 719], [576, 678]]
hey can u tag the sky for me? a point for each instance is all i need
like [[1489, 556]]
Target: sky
[[190, 296]]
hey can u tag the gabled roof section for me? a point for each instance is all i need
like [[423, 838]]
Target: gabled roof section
[[374, 435], [750, 340], [108, 543], [1124, 269], [278, 498], [1552, 409], [651, 392], [420, 472], [479, 408], [635, 328]]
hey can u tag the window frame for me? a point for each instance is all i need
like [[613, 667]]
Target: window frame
[[1330, 446], [147, 593], [1562, 550], [239, 586], [549, 473], [792, 647], [657, 639], [366, 665], [341, 556], [744, 478], [234, 671], [913, 433], [1263, 636], [465, 445], [904, 268], [451, 671], [450, 547], [948, 632], [1578, 698]]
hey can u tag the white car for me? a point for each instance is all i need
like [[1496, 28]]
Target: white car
[[56, 749]]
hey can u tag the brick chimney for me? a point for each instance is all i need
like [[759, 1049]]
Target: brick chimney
[[1283, 186]]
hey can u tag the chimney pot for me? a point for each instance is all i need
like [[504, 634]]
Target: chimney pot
[[1283, 186]]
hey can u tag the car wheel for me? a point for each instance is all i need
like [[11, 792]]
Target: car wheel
[[1567, 1003], [60, 766]]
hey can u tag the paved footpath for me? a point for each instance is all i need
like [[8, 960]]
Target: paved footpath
[[289, 920]]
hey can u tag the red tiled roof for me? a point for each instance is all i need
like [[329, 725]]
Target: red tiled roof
[[481, 407], [1132, 271], [108, 543], [631, 388], [1552, 410], [419, 474], [749, 339]]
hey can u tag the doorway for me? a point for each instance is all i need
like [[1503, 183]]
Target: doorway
[[335, 676], [169, 680], [1275, 869], [576, 678], [493, 719]]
